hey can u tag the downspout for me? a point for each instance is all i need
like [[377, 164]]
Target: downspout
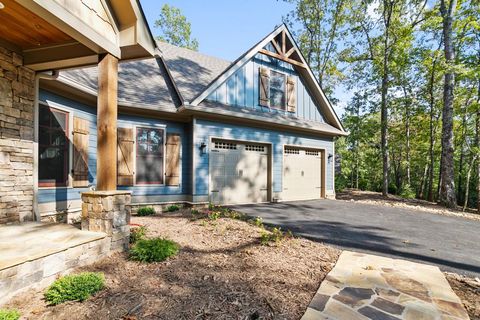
[[54, 75]]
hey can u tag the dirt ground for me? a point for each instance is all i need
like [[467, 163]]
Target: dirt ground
[[221, 272], [468, 290], [376, 198]]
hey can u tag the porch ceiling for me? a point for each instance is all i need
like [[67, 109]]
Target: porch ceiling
[[27, 30]]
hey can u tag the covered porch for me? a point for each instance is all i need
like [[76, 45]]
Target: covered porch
[[38, 38]]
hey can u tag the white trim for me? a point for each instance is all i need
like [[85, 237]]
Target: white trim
[[70, 114], [148, 126], [250, 54], [194, 187], [244, 141]]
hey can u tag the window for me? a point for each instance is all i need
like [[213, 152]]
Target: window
[[53, 147], [277, 90], [150, 149]]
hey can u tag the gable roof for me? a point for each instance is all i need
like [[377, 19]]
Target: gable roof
[[191, 71], [305, 72]]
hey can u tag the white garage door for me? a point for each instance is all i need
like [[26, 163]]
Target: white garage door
[[238, 172], [302, 174]]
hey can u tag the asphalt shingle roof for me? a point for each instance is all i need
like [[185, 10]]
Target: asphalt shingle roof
[[192, 71], [140, 83]]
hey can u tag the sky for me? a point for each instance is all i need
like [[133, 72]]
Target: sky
[[228, 28]]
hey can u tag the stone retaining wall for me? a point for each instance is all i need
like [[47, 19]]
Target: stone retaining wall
[[17, 85], [41, 272]]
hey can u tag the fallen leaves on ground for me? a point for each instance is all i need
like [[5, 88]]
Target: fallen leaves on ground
[[221, 272]]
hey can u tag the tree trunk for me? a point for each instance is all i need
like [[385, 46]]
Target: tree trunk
[[407, 136], [467, 185], [447, 195], [423, 182], [432, 133], [477, 136], [384, 112]]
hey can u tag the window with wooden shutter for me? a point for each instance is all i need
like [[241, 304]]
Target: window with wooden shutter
[[264, 87], [80, 152], [291, 95], [125, 157], [172, 165]]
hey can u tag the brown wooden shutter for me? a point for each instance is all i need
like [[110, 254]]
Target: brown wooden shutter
[[80, 152], [291, 95], [125, 157], [172, 165], [264, 87]]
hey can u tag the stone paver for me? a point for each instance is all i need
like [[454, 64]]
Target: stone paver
[[363, 286]]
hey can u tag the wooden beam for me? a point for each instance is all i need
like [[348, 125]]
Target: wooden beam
[[284, 42], [277, 47], [274, 55], [289, 52], [107, 123]]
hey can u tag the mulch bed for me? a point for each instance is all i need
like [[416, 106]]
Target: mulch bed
[[221, 272], [468, 290]]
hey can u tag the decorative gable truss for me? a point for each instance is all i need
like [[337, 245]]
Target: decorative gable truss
[[279, 45], [285, 50]]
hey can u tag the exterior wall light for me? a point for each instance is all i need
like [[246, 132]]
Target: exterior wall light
[[330, 156], [203, 148], [2, 6]]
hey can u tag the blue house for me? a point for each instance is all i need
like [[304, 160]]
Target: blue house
[[193, 129]]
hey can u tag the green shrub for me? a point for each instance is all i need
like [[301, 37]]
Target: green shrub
[[407, 192], [276, 235], [9, 314], [194, 212], [172, 208], [75, 287], [137, 232], [214, 215], [145, 211], [258, 222], [151, 250]]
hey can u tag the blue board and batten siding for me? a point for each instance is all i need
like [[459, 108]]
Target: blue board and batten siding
[[241, 89], [204, 130], [139, 193]]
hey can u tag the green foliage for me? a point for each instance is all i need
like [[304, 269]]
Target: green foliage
[[153, 250], [76, 287], [173, 208], [145, 211], [214, 215], [257, 221], [194, 212], [276, 235], [407, 192], [9, 314], [137, 232], [175, 29]]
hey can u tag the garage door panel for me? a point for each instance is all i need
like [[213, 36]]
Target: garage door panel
[[301, 174], [244, 173]]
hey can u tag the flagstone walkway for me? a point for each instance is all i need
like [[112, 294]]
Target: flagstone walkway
[[363, 286]]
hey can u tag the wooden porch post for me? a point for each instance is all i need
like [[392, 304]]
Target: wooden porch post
[[107, 123]]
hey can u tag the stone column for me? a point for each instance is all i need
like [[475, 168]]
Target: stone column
[[108, 212]]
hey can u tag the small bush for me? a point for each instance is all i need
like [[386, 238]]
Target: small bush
[[145, 211], [9, 314], [407, 192], [137, 232], [276, 235], [76, 287], [214, 215], [151, 250], [258, 222], [172, 208], [194, 212]]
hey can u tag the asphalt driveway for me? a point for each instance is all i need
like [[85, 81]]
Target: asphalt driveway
[[451, 243]]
